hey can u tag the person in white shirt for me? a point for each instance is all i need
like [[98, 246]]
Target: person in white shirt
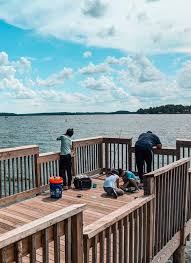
[[111, 185], [65, 164]]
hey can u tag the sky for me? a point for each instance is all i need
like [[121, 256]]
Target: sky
[[94, 55]]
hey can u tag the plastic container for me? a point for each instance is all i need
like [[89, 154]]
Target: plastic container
[[56, 185]]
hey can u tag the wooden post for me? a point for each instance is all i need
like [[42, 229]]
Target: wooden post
[[74, 162], [177, 150], [149, 189], [185, 205], [37, 172], [130, 155], [77, 238], [101, 157], [179, 255], [106, 157]]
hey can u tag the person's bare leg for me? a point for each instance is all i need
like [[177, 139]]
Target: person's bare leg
[[125, 185], [134, 183]]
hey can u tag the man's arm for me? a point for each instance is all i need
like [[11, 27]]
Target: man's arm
[[59, 138]]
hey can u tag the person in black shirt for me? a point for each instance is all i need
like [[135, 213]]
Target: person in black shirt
[[143, 151]]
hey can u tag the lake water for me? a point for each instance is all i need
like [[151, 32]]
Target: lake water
[[43, 130]]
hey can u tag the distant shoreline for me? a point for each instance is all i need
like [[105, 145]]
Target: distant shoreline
[[165, 109]]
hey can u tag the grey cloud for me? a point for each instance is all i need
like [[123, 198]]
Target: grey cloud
[[108, 32], [95, 8]]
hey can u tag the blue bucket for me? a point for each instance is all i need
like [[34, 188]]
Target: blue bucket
[[56, 185]]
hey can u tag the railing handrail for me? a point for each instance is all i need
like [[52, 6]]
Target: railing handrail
[[164, 150], [167, 167], [87, 141], [117, 140], [33, 227], [48, 157], [15, 152], [108, 220], [183, 142]]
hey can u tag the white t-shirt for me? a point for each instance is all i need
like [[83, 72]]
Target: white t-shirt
[[110, 181]]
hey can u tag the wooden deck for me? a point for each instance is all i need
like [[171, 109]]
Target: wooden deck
[[98, 205]]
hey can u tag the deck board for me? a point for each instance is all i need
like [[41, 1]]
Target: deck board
[[98, 205]]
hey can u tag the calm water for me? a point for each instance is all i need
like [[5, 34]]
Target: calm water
[[43, 130]]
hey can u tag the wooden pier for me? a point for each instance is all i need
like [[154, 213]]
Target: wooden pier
[[150, 226]]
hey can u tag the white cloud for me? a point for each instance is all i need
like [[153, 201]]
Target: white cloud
[[4, 59], [94, 69], [7, 71], [144, 80], [136, 26], [118, 61], [55, 79], [23, 64], [184, 76], [87, 54], [102, 84]]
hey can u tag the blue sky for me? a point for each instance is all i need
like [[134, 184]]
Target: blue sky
[[96, 56]]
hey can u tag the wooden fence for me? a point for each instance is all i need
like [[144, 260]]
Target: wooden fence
[[24, 169], [63, 230], [171, 204], [18, 169], [122, 236], [149, 229]]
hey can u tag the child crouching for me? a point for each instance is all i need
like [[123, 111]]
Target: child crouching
[[111, 185], [129, 179]]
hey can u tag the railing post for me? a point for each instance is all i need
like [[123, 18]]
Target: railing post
[[149, 189], [74, 162], [106, 157], [37, 172], [101, 156], [177, 150], [77, 238], [130, 155], [179, 255]]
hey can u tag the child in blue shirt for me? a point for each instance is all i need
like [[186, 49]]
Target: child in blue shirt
[[129, 179]]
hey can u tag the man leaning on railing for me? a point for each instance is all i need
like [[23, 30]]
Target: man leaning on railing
[[144, 151]]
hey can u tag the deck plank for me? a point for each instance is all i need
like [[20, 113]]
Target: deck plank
[[98, 205]]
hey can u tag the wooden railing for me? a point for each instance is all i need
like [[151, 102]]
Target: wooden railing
[[62, 229], [149, 229], [183, 148], [189, 196], [18, 169], [88, 156], [48, 166], [23, 169], [122, 236], [170, 187], [117, 153], [161, 157]]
